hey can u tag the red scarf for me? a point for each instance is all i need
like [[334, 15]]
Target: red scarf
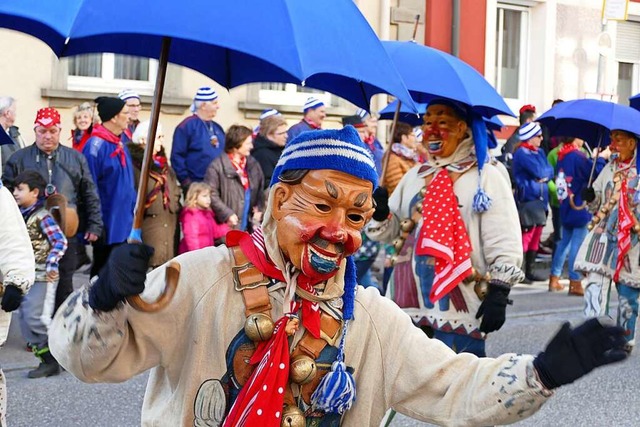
[[566, 149], [625, 223], [84, 137], [241, 169], [312, 124], [444, 236], [104, 133], [528, 146]]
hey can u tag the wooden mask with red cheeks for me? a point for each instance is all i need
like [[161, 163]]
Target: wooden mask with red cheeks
[[443, 130], [319, 220], [623, 143]]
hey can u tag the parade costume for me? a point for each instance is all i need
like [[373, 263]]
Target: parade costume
[[205, 366]]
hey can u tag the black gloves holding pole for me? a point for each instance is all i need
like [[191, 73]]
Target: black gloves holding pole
[[122, 276], [381, 199], [575, 352], [493, 308]]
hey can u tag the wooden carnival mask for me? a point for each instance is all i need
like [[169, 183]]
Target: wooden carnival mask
[[443, 130], [319, 220], [623, 143]]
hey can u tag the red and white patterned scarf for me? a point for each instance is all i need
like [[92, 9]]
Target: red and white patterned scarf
[[241, 169], [625, 223]]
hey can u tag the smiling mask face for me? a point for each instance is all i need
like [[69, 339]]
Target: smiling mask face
[[443, 130]]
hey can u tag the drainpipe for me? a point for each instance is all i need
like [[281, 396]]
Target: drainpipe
[[455, 27]]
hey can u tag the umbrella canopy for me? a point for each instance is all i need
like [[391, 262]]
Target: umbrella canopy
[[430, 74], [634, 101], [233, 42], [590, 119]]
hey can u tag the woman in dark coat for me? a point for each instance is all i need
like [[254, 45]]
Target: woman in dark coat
[[269, 144], [163, 197], [237, 182]]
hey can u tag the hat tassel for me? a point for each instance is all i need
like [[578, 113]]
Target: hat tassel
[[481, 201], [337, 390]]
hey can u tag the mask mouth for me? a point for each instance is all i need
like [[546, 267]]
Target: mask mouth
[[435, 146]]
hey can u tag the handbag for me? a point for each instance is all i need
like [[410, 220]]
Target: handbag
[[532, 213]]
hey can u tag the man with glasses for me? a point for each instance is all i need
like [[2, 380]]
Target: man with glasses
[[132, 100]]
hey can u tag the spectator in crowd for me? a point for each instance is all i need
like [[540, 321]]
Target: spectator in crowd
[[163, 196], [110, 165], [49, 244], [268, 112], [199, 226], [572, 176], [198, 139], [132, 100], [83, 121], [237, 182], [527, 115], [610, 253], [17, 270], [268, 145], [531, 174], [67, 174], [371, 137], [314, 113], [7, 120], [402, 155]]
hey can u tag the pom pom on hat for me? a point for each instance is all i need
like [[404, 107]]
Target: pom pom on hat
[[128, 94], [109, 107], [47, 117], [339, 150], [528, 131], [312, 103], [526, 108]]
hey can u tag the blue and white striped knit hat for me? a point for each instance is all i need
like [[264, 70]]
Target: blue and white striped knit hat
[[417, 131], [340, 150], [362, 113], [268, 113], [205, 93], [312, 102], [128, 94], [528, 131]]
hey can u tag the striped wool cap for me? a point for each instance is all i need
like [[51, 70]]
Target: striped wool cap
[[528, 131], [312, 102], [339, 150], [417, 131], [362, 113], [128, 94], [206, 93], [268, 113]]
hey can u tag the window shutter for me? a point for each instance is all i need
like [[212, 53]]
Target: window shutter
[[628, 41]]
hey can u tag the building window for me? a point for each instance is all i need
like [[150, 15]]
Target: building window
[[108, 72], [511, 50], [627, 81]]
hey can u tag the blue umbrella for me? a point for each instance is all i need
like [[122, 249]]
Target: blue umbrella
[[634, 101], [431, 74], [405, 115], [318, 44]]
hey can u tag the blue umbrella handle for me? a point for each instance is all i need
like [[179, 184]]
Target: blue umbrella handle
[[594, 161]]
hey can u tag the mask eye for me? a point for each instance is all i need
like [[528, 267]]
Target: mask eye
[[355, 217], [323, 208]]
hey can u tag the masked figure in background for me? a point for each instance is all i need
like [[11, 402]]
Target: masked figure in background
[[610, 251], [455, 228], [272, 330]]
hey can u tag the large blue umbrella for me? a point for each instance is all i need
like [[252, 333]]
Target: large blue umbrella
[[319, 44], [406, 114], [431, 74], [634, 101]]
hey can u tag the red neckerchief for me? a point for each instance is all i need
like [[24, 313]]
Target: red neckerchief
[[241, 169], [444, 236], [625, 223], [104, 133], [528, 146], [84, 137], [566, 149], [310, 123], [252, 246]]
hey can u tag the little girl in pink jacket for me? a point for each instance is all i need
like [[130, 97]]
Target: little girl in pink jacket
[[199, 226]]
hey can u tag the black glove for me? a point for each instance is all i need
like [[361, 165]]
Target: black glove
[[493, 308], [381, 197], [11, 299], [588, 194], [573, 353], [122, 276]]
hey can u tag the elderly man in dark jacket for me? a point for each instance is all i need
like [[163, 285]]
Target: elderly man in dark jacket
[[67, 173]]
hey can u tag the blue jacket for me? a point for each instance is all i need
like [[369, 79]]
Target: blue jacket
[[116, 187], [193, 150], [573, 175], [529, 167], [377, 153], [297, 129]]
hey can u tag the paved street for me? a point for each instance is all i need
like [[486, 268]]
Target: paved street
[[606, 398]]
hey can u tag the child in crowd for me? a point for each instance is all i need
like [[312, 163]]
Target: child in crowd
[[49, 245], [199, 227]]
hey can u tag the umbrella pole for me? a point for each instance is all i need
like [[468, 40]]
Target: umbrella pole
[[385, 159], [594, 161], [138, 216]]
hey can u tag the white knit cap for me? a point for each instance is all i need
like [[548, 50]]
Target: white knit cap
[[205, 93], [312, 102], [128, 94], [417, 131], [528, 131], [268, 113]]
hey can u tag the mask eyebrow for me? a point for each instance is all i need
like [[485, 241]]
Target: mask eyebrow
[[331, 189], [361, 199]]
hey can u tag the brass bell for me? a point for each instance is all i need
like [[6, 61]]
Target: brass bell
[[292, 416], [612, 201], [407, 225], [258, 327], [590, 226], [398, 244], [302, 369], [393, 260], [419, 207], [481, 289], [636, 228], [423, 191], [604, 210]]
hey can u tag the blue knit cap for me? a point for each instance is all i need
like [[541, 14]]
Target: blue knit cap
[[339, 150]]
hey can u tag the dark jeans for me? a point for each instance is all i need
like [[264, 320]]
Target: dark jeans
[[101, 254], [66, 267]]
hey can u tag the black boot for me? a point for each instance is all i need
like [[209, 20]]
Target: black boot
[[48, 364], [529, 274]]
